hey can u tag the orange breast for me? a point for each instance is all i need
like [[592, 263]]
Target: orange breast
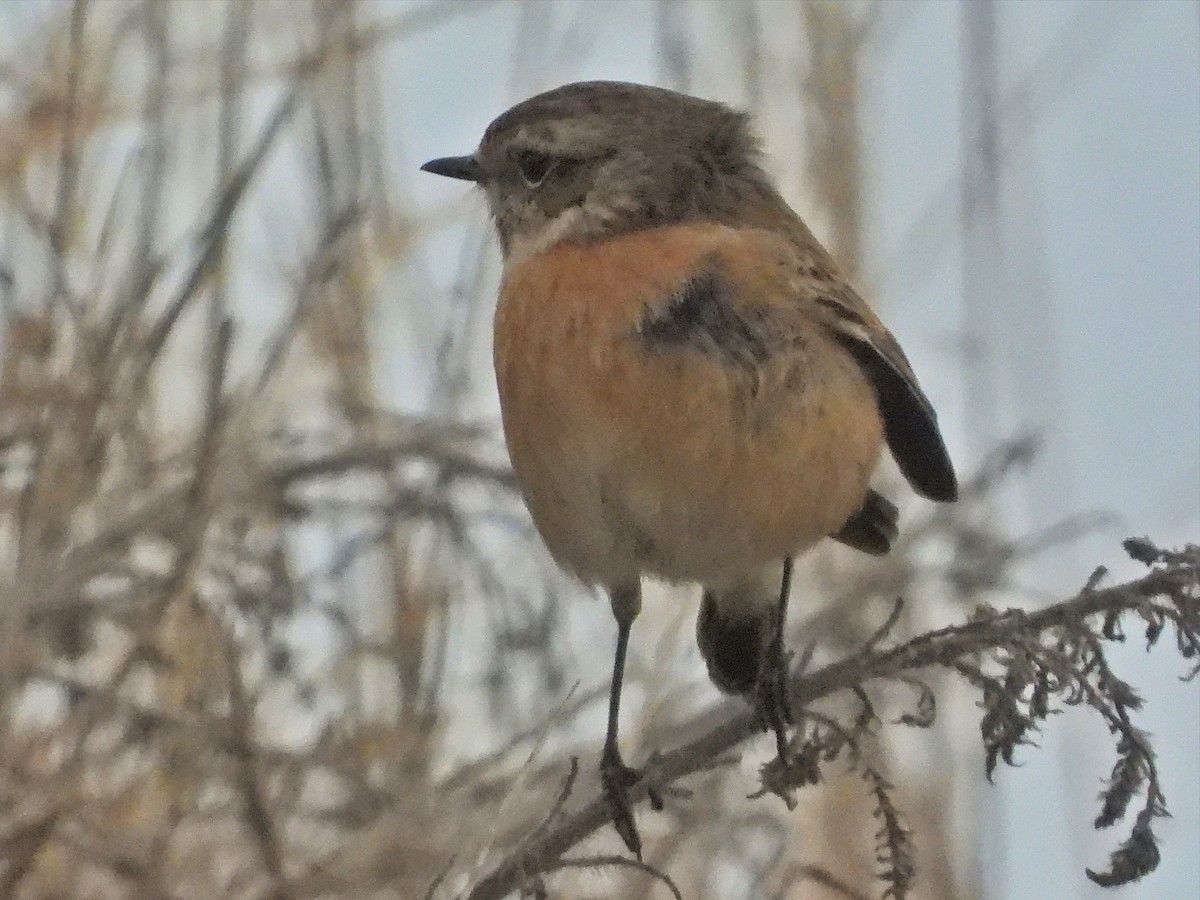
[[636, 461]]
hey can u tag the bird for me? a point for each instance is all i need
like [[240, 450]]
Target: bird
[[690, 388]]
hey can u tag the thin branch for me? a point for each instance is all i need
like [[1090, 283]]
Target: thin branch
[[597, 862], [68, 174], [212, 234], [1179, 581]]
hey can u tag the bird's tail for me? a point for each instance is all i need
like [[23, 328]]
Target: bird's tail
[[733, 624]]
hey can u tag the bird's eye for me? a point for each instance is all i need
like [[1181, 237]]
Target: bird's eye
[[534, 166]]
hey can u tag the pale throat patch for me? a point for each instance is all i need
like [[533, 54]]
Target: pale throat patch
[[580, 223], [571, 222]]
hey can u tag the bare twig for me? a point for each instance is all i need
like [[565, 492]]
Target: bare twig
[[1171, 591], [599, 862]]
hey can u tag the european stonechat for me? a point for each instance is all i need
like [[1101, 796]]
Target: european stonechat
[[690, 388]]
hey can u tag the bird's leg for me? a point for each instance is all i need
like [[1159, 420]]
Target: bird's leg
[[616, 777], [774, 704]]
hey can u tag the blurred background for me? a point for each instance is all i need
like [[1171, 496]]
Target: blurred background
[[274, 621]]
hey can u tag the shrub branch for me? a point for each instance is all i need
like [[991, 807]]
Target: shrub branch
[[1021, 662]]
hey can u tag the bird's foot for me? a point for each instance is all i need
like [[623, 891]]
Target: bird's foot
[[772, 695], [618, 780]]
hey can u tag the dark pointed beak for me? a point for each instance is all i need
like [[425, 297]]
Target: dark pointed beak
[[465, 168]]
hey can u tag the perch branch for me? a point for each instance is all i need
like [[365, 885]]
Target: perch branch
[[1171, 590]]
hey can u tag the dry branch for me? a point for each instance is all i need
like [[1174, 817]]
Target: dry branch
[[1168, 595]]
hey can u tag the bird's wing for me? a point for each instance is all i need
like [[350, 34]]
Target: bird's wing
[[754, 290], [909, 420]]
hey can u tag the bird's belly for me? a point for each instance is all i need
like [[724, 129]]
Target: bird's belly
[[636, 465]]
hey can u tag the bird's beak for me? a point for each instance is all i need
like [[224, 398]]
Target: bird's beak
[[466, 168]]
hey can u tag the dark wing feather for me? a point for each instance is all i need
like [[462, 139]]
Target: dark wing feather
[[873, 528], [909, 421]]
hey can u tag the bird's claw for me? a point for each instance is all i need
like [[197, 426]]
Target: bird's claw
[[618, 780], [772, 694]]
